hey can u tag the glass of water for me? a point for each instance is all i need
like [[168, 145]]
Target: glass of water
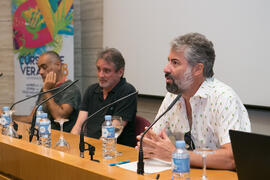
[[204, 151], [61, 144], [117, 123]]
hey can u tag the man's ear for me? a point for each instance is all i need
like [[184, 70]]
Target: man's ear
[[121, 72], [198, 69], [59, 65]]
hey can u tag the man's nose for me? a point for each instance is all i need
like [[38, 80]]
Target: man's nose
[[41, 71], [101, 74], [167, 68]]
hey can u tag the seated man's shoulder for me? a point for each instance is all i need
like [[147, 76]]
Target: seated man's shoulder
[[222, 90], [92, 87], [129, 86], [77, 89], [72, 89], [126, 88]]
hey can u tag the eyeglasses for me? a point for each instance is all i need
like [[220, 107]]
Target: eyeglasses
[[189, 142]]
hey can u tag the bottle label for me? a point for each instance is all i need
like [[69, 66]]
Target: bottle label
[[108, 132], [37, 121], [44, 129], [181, 165], [6, 120], [2, 121]]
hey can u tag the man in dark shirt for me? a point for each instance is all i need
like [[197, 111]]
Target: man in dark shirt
[[70, 96], [111, 86], [63, 106]]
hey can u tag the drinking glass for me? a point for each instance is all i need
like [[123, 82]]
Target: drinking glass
[[204, 151], [117, 123], [61, 144]]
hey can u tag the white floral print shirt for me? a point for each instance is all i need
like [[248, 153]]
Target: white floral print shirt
[[216, 108]]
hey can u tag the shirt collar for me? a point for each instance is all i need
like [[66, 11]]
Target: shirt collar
[[118, 85], [205, 88], [115, 89], [61, 82]]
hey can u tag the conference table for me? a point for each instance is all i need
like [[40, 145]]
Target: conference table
[[20, 159]]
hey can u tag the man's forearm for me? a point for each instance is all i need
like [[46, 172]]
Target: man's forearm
[[78, 125], [76, 129], [221, 159], [27, 119], [55, 110]]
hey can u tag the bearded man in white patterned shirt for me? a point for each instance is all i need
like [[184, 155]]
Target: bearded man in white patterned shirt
[[206, 111]]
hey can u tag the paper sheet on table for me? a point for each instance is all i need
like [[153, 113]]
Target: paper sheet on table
[[150, 166]]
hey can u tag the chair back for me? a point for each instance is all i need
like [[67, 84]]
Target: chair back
[[141, 123]]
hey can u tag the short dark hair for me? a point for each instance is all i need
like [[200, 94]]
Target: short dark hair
[[197, 49], [114, 56], [53, 55]]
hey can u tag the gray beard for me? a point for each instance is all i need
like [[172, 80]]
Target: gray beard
[[179, 86], [173, 88]]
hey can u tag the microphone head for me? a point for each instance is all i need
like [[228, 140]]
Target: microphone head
[[1, 74]]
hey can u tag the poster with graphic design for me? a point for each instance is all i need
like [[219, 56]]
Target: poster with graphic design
[[39, 26]]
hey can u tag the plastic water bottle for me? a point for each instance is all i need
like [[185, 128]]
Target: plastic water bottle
[[180, 162], [44, 131], [2, 120], [108, 138], [6, 118], [38, 116]]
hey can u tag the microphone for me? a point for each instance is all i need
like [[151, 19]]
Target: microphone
[[140, 164], [81, 145], [1, 74], [32, 128], [15, 125], [40, 93]]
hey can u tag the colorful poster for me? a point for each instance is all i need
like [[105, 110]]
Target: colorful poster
[[39, 26]]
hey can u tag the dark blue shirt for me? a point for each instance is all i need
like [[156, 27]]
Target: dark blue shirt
[[93, 101], [71, 96]]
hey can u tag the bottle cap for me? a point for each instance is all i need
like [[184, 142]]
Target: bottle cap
[[180, 144], [108, 117], [5, 108], [40, 108]]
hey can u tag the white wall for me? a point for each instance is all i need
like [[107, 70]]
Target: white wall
[[142, 31]]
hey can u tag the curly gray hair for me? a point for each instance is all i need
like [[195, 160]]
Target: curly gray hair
[[197, 49]]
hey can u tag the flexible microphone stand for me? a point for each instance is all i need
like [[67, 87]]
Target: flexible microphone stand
[[33, 130], [140, 164], [15, 125], [41, 93], [91, 148]]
